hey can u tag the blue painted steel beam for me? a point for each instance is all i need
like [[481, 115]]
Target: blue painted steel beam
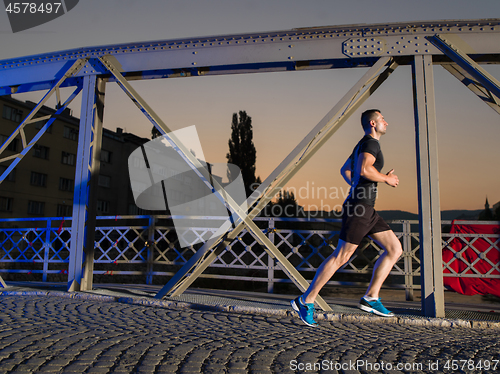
[[27, 145]]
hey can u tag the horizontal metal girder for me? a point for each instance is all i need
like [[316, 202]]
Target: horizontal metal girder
[[311, 48], [202, 71]]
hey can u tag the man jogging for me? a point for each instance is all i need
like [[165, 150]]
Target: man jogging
[[359, 219]]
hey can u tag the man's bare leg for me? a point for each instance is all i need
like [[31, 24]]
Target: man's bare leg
[[339, 257], [385, 263]]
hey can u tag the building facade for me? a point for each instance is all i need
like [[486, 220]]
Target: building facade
[[43, 183]]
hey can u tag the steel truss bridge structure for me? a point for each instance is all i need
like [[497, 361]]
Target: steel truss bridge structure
[[460, 47]]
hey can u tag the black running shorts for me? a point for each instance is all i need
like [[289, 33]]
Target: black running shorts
[[360, 220]]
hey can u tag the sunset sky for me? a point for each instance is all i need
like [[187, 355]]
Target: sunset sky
[[285, 106]]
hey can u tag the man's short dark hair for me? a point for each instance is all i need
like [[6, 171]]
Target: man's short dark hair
[[367, 116]]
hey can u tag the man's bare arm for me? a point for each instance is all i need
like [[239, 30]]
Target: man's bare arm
[[345, 171], [368, 171]]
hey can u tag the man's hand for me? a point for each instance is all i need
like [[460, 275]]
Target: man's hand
[[392, 179]]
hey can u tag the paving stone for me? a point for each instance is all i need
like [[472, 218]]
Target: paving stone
[[99, 370], [167, 368], [95, 336]]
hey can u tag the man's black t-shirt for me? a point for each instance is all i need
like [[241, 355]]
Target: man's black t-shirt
[[363, 190]]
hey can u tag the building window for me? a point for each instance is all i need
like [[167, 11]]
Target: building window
[[38, 179], [70, 133], [136, 211], [104, 181], [6, 204], [40, 124], [64, 210], [102, 206], [36, 207], [12, 114], [12, 145], [68, 158], [66, 184], [41, 151], [12, 175], [105, 156]]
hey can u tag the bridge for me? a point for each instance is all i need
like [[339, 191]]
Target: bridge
[[460, 47]]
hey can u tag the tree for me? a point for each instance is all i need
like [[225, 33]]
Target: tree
[[155, 132], [288, 203], [486, 214], [242, 151], [285, 205]]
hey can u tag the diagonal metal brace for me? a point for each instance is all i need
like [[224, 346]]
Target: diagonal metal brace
[[261, 238], [29, 119], [112, 66], [465, 62], [202, 259], [2, 283], [311, 143], [177, 285], [472, 84]]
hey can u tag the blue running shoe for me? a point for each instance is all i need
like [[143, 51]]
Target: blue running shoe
[[374, 307], [306, 311]]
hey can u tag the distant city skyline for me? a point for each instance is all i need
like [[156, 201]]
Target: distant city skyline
[[285, 106]]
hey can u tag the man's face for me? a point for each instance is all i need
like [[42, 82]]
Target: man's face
[[380, 124]]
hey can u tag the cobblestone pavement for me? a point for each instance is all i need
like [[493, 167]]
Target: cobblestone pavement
[[51, 335]]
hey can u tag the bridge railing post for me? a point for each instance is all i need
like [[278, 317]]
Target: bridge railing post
[[408, 260], [150, 248], [270, 260]]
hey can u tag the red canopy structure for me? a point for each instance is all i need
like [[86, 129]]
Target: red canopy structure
[[471, 262]]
